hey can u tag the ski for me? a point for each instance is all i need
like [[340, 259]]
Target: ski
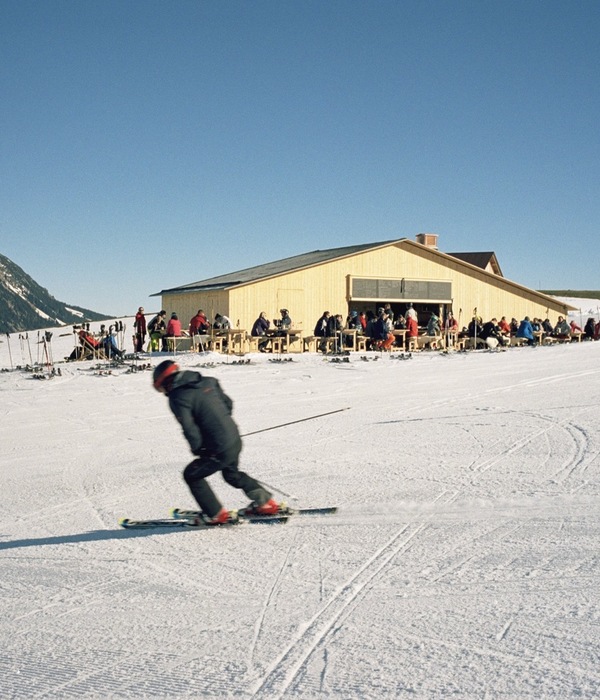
[[285, 511], [191, 524]]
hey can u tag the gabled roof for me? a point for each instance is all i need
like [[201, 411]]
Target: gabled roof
[[278, 267], [481, 260], [316, 257]]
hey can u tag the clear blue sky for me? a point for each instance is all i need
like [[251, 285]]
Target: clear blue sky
[[149, 144]]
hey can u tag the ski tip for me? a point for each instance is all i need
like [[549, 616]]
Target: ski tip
[[123, 522]]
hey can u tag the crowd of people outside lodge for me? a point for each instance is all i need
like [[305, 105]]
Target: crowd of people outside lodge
[[377, 326]]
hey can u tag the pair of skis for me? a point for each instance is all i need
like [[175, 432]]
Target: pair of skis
[[192, 519]]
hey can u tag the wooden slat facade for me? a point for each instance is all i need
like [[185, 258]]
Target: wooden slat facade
[[309, 291]]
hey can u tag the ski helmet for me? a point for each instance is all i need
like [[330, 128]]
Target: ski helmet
[[162, 371]]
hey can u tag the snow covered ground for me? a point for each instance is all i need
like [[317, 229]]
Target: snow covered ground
[[463, 560]]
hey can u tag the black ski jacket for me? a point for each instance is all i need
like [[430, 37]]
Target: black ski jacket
[[204, 411]]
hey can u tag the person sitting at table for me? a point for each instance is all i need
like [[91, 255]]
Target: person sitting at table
[[400, 323], [335, 327], [562, 330], [370, 330], [575, 329], [504, 326], [526, 331], [222, 323], [547, 327], [590, 328], [284, 324], [450, 323], [384, 338], [259, 329], [474, 328], [352, 322], [199, 324], [491, 333], [433, 325], [174, 326], [322, 329], [157, 328]]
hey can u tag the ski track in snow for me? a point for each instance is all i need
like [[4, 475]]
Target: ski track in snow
[[286, 668]]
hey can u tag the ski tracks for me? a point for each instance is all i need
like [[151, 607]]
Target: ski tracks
[[293, 659], [258, 627]]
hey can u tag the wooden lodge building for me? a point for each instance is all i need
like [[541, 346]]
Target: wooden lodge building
[[364, 277]]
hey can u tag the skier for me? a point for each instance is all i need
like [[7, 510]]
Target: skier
[[204, 411]]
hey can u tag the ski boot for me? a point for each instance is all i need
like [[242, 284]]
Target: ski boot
[[223, 517], [271, 507]]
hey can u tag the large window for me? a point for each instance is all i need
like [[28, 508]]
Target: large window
[[369, 288]]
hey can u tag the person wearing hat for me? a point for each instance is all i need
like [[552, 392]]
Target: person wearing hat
[[204, 410], [285, 323]]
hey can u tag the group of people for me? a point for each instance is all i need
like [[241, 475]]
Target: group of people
[[105, 344], [377, 326], [535, 331], [159, 329], [261, 328]]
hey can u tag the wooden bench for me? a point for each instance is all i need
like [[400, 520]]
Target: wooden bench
[[435, 342], [412, 343], [215, 344], [517, 342], [361, 343], [474, 343], [178, 343], [277, 344]]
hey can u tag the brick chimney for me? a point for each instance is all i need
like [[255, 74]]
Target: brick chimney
[[428, 239]]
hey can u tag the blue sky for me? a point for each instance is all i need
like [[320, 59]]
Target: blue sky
[[149, 144]]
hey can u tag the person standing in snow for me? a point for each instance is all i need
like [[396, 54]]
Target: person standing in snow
[[204, 411], [140, 330]]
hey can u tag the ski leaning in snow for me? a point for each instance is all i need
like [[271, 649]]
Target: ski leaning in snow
[[194, 522], [284, 511]]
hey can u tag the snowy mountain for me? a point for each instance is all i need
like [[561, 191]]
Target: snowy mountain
[[25, 306]]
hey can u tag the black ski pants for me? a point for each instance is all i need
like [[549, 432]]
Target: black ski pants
[[226, 462]]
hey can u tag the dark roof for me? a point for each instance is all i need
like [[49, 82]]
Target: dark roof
[[278, 267], [481, 260]]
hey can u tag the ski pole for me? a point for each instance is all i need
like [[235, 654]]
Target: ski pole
[[293, 422], [29, 348], [9, 351], [279, 491], [270, 487]]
